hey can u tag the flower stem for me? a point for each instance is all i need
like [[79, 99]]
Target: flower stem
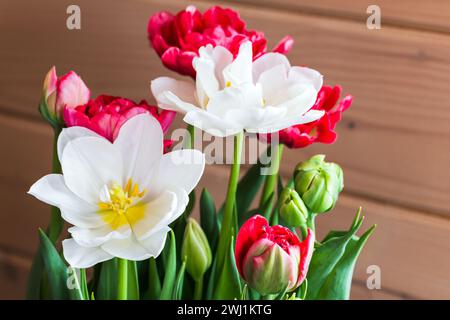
[[198, 290], [56, 222], [190, 144], [271, 180], [229, 218], [122, 291]]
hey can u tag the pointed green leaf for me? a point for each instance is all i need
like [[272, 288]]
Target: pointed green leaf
[[178, 289], [266, 209], [170, 269], [228, 285], [35, 277], [325, 258], [57, 272], [248, 187], [107, 280], [154, 283], [208, 218], [133, 282], [338, 284]]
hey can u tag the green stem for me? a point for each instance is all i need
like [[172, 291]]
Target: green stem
[[229, 218], [198, 291], [190, 144], [271, 180], [56, 222], [122, 290], [310, 222]]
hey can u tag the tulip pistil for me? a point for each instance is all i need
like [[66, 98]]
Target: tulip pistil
[[120, 205]]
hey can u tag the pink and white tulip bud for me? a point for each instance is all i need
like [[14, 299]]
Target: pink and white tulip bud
[[272, 259], [68, 91]]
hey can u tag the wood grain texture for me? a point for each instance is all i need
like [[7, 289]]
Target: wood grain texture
[[13, 275], [409, 246], [426, 15], [398, 78], [393, 142]]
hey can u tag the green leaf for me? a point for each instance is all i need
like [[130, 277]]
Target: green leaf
[[154, 283], [83, 284], [266, 209], [35, 277], [57, 272], [244, 294], [133, 281], [170, 269], [178, 289], [248, 187], [339, 282], [331, 269], [228, 285], [208, 218], [107, 281]]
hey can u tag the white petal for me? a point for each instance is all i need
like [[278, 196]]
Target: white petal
[[69, 134], [211, 123], [83, 257], [52, 189], [306, 75], [97, 236], [255, 117], [183, 89], [154, 244], [240, 70], [176, 104], [132, 249], [301, 103], [268, 61], [140, 142], [88, 164], [245, 96], [310, 116], [178, 169], [158, 213], [206, 82]]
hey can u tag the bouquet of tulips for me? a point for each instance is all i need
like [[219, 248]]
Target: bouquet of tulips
[[128, 193]]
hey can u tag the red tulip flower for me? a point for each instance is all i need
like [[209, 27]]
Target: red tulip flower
[[177, 38], [321, 130], [271, 259], [106, 114]]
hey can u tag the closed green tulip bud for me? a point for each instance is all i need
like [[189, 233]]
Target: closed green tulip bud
[[292, 209], [196, 250], [318, 183]]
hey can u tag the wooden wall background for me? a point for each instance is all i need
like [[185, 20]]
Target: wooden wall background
[[394, 142]]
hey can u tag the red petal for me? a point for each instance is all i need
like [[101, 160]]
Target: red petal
[[306, 251], [250, 232]]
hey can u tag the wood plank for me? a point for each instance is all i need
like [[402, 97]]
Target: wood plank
[[13, 275], [398, 78], [428, 15], [414, 275]]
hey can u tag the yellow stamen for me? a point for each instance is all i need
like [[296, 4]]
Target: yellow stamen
[[228, 84], [123, 206]]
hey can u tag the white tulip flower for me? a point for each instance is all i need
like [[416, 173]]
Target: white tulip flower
[[233, 95], [120, 197]]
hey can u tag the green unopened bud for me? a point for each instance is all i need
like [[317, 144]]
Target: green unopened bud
[[196, 250], [318, 183], [292, 209]]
